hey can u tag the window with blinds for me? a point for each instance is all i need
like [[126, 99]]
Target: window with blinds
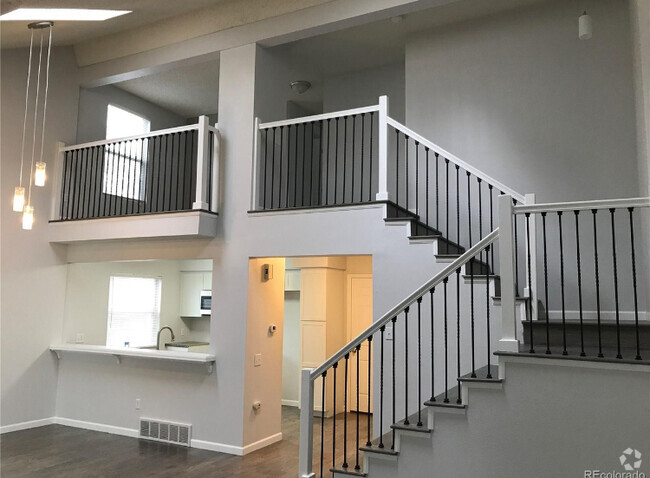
[[133, 311]]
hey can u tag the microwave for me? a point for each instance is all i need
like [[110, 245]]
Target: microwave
[[206, 302]]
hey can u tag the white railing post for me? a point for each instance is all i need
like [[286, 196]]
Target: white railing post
[[508, 341], [202, 163], [306, 450], [255, 172], [531, 292], [216, 169], [382, 192], [57, 181]]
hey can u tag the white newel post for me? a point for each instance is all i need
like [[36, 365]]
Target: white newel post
[[216, 169], [255, 172], [59, 160], [202, 163], [531, 292], [382, 192], [508, 341], [305, 452]]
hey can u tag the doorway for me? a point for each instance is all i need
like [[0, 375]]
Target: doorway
[[359, 313]]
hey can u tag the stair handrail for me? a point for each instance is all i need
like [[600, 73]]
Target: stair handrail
[[456, 160]]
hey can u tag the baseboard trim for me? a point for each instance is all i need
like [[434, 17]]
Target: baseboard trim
[[26, 425], [97, 427], [290, 403], [626, 316], [262, 443]]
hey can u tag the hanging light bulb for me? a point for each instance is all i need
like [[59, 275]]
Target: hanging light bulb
[[585, 27], [28, 218], [39, 174], [19, 199]]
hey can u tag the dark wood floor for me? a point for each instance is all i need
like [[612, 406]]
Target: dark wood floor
[[58, 451]]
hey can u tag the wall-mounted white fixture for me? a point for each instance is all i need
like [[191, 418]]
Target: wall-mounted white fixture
[[300, 86], [267, 272], [585, 27], [257, 406], [272, 329], [36, 176]]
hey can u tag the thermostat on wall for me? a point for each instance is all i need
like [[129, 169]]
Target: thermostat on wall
[[267, 272]]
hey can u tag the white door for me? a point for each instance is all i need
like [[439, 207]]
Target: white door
[[359, 318]]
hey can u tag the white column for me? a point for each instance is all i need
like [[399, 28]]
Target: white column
[[202, 163], [216, 170], [532, 292], [382, 192], [57, 181], [508, 340], [306, 450], [255, 171]]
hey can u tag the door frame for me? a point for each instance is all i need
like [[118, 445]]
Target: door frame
[[348, 307]]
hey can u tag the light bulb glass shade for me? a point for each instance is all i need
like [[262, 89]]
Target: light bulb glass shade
[[39, 175], [28, 217], [19, 199], [585, 27]]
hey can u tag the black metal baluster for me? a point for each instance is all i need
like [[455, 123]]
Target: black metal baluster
[[492, 225], [64, 188], [345, 154], [469, 209], [280, 172], [578, 261], [559, 219], [433, 375], [600, 339], [406, 366], [437, 196], [335, 366], [372, 115], [406, 166], [457, 205], [178, 165], [381, 390], [153, 206], [417, 182], [548, 329], [447, 231], [356, 463], [92, 194], [397, 167], [393, 320], [618, 325], [419, 362], [319, 194], [487, 311], [86, 180], [311, 165], [426, 192], [273, 171], [322, 425], [636, 301], [529, 305], [458, 400], [171, 170], [480, 218], [295, 165], [327, 162], [368, 443], [345, 413], [444, 282], [180, 183], [82, 180], [286, 191], [354, 143], [336, 160], [78, 183], [363, 137]]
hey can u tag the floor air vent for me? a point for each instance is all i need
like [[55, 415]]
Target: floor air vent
[[167, 432]]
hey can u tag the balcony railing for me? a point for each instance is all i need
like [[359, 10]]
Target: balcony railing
[[164, 171]]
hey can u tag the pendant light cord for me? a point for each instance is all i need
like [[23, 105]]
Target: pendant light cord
[[38, 85], [29, 75], [47, 86]]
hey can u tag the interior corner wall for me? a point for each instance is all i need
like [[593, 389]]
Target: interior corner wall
[[519, 96], [363, 88], [93, 104], [32, 271]]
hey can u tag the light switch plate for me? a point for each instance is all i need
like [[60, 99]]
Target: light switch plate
[[257, 360], [389, 332], [80, 338]]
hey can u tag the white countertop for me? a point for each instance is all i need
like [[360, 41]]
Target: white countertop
[[119, 352]]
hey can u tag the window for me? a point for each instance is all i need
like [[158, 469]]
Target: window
[[133, 311], [124, 163]]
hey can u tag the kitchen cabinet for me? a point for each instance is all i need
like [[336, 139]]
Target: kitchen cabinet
[[192, 283], [292, 280]]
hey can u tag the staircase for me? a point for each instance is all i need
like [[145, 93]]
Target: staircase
[[525, 289]]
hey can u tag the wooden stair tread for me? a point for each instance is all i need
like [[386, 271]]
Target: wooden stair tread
[[348, 471]]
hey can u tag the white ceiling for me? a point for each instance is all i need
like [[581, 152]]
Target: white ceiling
[[189, 91], [15, 34]]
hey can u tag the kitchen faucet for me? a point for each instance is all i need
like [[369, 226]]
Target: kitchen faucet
[[158, 338]]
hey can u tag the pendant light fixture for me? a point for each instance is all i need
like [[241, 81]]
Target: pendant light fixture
[[585, 27], [37, 170]]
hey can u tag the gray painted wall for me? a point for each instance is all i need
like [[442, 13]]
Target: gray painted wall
[[33, 271], [92, 112]]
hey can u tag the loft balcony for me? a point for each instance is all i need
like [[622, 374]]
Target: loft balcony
[[161, 184]]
